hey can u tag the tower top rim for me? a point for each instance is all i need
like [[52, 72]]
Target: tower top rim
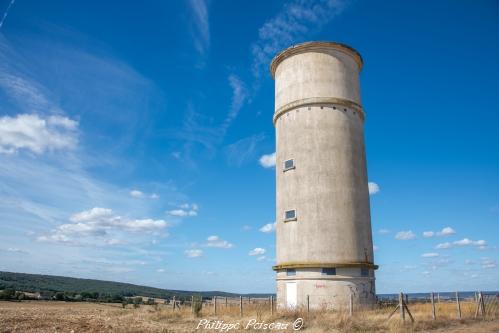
[[311, 47]]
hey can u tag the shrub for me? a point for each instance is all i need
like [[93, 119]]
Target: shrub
[[197, 305]]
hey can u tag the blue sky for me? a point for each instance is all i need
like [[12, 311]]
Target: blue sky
[[136, 138]]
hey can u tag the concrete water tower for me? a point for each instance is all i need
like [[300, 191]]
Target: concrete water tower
[[324, 237]]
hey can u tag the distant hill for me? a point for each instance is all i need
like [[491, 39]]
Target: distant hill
[[50, 283]]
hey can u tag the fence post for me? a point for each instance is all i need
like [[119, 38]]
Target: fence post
[[192, 304], [173, 307], [249, 299], [308, 303], [271, 305], [433, 314], [401, 306], [482, 302], [225, 301], [458, 305], [351, 304], [215, 304], [406, 299], [241, 306]]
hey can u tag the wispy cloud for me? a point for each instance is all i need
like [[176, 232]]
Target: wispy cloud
[[295, 22], [430, 255], [6, 13], [244, 150], [239, 96], [200, 129], [201, 25], [384, 231]]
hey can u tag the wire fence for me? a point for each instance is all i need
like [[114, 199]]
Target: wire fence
[[406, 307]]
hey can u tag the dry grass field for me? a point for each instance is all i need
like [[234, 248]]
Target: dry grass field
[[38, 316]]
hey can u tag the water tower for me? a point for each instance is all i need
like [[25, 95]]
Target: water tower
[[324, 237]]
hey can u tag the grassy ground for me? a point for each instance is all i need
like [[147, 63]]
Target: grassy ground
[[33, 316]]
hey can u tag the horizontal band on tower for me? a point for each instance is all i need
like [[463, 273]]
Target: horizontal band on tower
[[324, 265], [318, 101], [323, 47]]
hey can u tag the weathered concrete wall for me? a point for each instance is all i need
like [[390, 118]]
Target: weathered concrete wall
[[319, 124]]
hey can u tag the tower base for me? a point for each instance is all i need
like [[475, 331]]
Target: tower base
[[313, 289]]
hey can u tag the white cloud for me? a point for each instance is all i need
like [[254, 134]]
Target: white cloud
[[405, 235], [296, 21], [193, 253], [185, 210], [261, 258], [384, 231], [269, 227], [447, 231], [136, 194], [430, 255], [373, 188], [467, 242], [257, 251], [215, 241], [445, 245], [267, 161], [36, 133], [102, 222]]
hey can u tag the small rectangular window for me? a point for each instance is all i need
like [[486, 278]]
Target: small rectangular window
[[364, 271], [289, 164], [329, 271], [290, 215], [291, 272]]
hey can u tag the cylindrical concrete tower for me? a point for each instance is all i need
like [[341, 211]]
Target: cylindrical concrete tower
[[324, 237]]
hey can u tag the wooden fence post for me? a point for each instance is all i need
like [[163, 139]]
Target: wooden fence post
[[271, 305], [406, 299], [241, 306], [351, 304], [173, 307], [458, 305], [433, 314], [215, 304], [192, 304], [480, 306], [308, 303], [401, 306], [225, 301]]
